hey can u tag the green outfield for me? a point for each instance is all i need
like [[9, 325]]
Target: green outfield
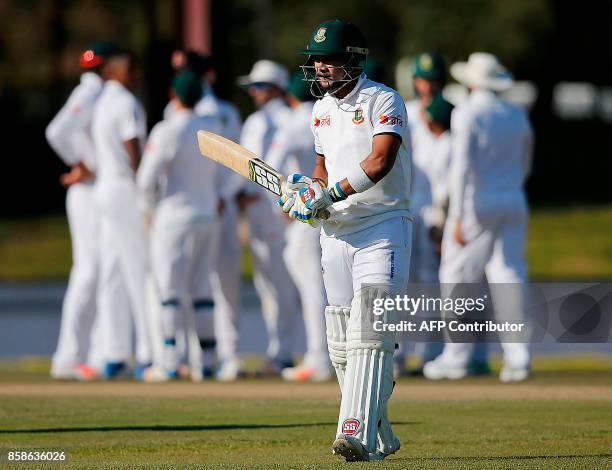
[[558, 419], [563, 243]]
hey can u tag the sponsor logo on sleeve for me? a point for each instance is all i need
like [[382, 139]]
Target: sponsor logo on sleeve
[[322, 121], [391, 120]]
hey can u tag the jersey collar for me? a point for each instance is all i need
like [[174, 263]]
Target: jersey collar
[[354, 91]]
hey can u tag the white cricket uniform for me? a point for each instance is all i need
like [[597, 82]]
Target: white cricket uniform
[[226, 277], [184, 236], [492, 146], [424, 262], [293, 146], [366, 242], [119, 117], [267, 238], [69, 134]]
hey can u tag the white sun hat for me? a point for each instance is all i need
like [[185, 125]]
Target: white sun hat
[[266, 71], [482, 70]]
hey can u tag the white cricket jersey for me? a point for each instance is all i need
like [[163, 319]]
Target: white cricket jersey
[[118, 117], [492, 147], [258, 131], [343, 132], [172, 156], [292, 148], [440, 152], [69, 133], [421, 139]]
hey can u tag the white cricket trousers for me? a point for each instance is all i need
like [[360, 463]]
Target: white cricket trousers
[[226, 284], [123, 245], [376, 255], [495, 247], [303, 259], [271, 278], [79, 307]]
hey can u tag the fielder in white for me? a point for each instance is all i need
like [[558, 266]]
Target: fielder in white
[[293, 146], [266, 83], [486, 227], [69, 133], [119, 132], [363, 171], [226, 276], [184, 235]]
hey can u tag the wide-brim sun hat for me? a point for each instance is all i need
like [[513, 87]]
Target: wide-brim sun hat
[[266, 72], [482, 70]]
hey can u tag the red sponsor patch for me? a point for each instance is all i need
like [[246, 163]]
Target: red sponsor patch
[[391, 120], [350, 426], [322, 121]]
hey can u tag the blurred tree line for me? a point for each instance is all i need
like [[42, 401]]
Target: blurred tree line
[[539, 40]]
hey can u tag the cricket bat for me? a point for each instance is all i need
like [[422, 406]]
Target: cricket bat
[[244, 162]]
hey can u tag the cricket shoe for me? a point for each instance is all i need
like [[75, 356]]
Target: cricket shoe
[[114, 369], [350, 448], [513, 374], [156, 374], [381, 455], [438, 369], [81, 372], [305, 373], [273, 368], [230, 370]]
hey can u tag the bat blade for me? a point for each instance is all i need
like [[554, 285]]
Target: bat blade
[[242, 161]]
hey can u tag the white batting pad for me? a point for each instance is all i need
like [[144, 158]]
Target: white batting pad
[[335, 325], [368, 380]]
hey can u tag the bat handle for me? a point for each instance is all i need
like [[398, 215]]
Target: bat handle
[[324, 215]]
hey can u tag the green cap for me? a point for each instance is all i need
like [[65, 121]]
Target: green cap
[[336, 37], [299, 87], [188, 87], [430, 66], [439, 111]]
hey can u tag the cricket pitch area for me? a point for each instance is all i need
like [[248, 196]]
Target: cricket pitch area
[[560, 418]]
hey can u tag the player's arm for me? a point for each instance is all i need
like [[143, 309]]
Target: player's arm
[[379, 162], [132, 148], [72, 118], [320, 171]]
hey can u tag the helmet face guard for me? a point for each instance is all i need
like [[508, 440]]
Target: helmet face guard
[[353, 67]]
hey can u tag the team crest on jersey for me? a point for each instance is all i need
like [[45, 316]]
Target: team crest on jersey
[[350, 426], [358, 119], [320, 36], [322, 121]]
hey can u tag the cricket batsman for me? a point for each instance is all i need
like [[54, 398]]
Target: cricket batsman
[[361, 176]]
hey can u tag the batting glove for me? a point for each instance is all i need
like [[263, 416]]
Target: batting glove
[[319, 198], [295, 182]]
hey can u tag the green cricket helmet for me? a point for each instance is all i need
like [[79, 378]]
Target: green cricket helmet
[[429, 66], [439, 111], [335, 38], [298, 87]]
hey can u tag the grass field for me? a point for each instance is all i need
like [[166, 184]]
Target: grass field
[[558, 419], [563, 243]]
